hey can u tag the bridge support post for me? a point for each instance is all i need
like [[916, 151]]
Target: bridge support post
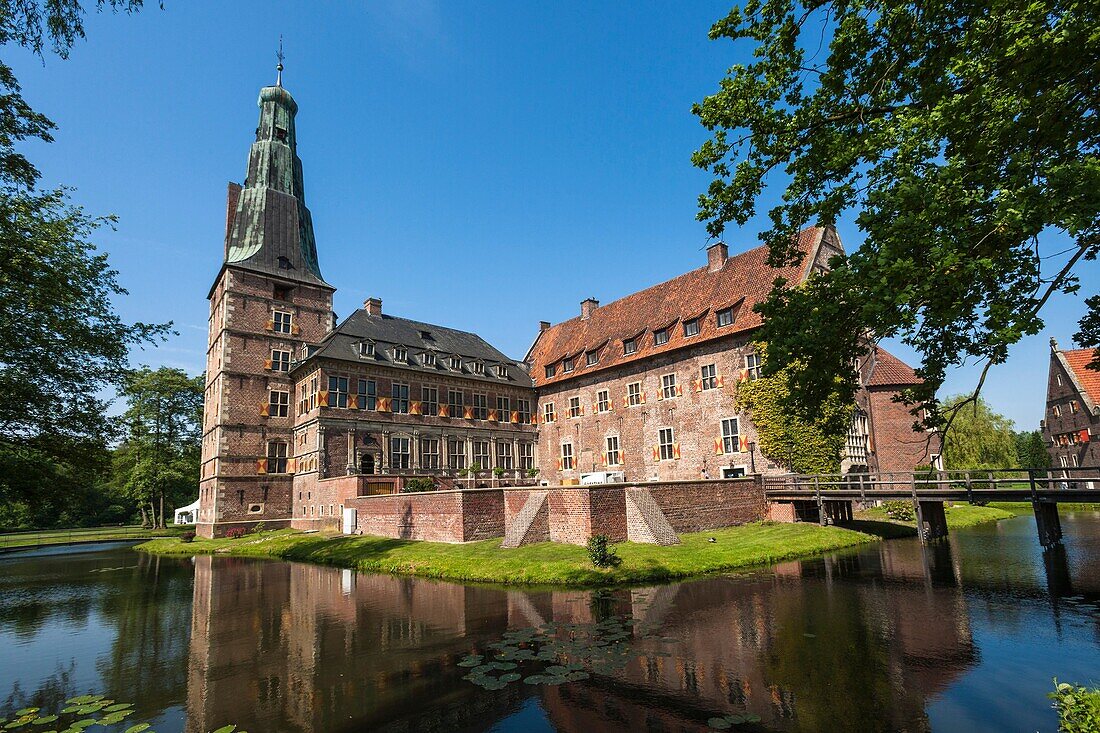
[[931, 520], [1047, 522]]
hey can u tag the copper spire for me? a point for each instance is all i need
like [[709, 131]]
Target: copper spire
[[279, 67]]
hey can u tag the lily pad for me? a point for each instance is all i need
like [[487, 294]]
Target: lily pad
[[472, 660], [138, 728], [719, 724], [510, 677]]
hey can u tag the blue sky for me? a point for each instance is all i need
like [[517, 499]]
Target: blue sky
[[474, 165]]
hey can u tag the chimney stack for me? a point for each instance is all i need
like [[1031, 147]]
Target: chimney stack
[[543, 325], [717, 254], [373, 306], [587, 306]]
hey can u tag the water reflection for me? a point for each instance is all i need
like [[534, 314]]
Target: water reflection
[[959, 635]]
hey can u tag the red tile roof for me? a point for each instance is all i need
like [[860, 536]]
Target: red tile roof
[[1089, 379], [744, 280], [890, 371]]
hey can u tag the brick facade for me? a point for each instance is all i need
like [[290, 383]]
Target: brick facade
[[1071, 427], [436, 516]]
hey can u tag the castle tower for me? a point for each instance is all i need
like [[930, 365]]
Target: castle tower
[[267, 304]]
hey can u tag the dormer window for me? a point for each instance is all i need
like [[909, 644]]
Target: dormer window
[[502, 371], [724, 317], [456, 364], [567, 365], [551, 370], [426, 335], [366, 349], [660, 337], [284, 264], [400, 354], [592, 357], [477, 367], [691, 328], [630, 346], [429, 360]]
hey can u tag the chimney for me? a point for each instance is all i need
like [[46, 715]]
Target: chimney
[[717, 254], [1053, 345], [587, 306], [543, 325], [373, 306]]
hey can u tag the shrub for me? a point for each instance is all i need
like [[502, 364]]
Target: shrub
[[418, 484], [1078, 708], [532, 472], [234, 533], [601, 552], [902, 511], [258, 528], [187, 537], [498, 472]]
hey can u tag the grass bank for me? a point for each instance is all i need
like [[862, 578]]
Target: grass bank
[[545, 563], [46, 537], [1024, 507], [958, 517]]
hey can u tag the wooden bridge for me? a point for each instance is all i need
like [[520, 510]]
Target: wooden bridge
[[829, 497]]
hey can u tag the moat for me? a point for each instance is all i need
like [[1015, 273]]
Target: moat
[[962, 636]]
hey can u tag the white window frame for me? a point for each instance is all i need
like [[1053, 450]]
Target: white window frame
[[661, 336], [614, 452], [668, 386], [548, 414], [567, 458], [278, 403], [666, 449], [574, 407], [567, 365], [634, 398], [282, 321], [691, 328], [708, 380], [725, 313], [592, 358], [280, 360], [752, 365], [603, 401], [400, 452], [630, 346], [400, 355], [730, 438]]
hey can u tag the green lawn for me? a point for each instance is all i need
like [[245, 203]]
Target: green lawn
[[540, 564], [958, 515], [20, 540], [1024, 507]]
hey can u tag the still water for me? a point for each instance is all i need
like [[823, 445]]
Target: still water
[[965, 636]]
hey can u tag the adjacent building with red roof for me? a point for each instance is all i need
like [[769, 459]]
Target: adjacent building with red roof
[[1072, 424], [646, 385]]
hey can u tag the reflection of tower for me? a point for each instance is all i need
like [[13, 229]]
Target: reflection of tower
[[267, 302]]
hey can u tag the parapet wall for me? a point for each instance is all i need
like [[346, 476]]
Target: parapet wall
[[437, 516]]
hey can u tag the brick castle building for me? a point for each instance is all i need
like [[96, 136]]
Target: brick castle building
[[302, 412], [647, 385], [1072, 425]]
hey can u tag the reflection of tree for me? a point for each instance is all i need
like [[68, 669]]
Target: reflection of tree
[[841, 676], [49, 695]]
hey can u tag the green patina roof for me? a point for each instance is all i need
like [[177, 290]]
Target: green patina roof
[[271, 229]]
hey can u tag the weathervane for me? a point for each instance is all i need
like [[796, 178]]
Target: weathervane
[[279, 68]]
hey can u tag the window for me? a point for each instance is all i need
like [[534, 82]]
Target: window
[[1074, 461], [400, 458], [481, 406], [548, 412], [303, 399], [724, 317], [429, 398], [634, 394], [455, 402], [660, 337], [1074, 407], [400, 394], [281, 322], [729, 435], [314, 383], [504, 409], [1064, 461], [276, 456], [574, 407], [567, 456], [367, 394], [1057, 411], [858, 442], [482, 459], [427, 336], [524, 409], [752, 366], [278, 403], [668, 386], [456, 364], [665, 444], [551, 370], [338, 392], [1058, 379], [366, 349], [526, 456], [456, 454], [280, 360], [630, 346], [603, 401], [400, 354], [502, 371], [428, 360], [504, 455], [592, 357], [567, 365], [691, 328], [477, 367], [709, 377], [429, 453], [613, 450]]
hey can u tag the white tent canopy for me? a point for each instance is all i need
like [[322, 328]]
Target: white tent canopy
[[187, 514]]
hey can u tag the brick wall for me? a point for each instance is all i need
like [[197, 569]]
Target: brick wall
[[1061, 391], [693, 506], [896, 446], [437, 516]]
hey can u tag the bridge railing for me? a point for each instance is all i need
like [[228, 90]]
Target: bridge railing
[[1023, 480]]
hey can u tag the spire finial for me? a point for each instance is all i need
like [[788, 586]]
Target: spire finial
[[279, 67]]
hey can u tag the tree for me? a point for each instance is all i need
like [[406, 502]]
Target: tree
[[802, 445], [163, 426], [1031, 451], [62, 345], [956, 132], [978, 437]]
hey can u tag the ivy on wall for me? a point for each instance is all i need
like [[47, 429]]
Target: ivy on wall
[[800, 445]]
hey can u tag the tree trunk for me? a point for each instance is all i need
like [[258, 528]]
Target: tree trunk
[[162, 510], [144, 521]]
